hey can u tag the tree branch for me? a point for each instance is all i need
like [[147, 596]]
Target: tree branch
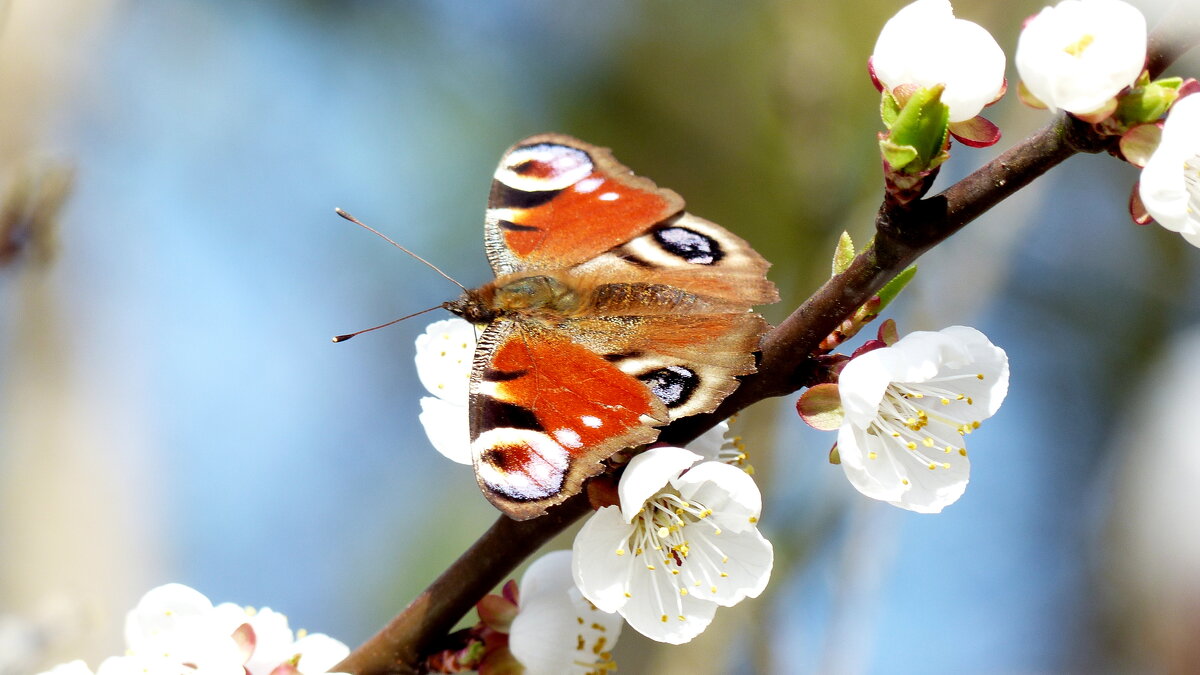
[[903, 234]]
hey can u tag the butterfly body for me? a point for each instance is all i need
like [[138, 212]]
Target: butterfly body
[[613, 312]]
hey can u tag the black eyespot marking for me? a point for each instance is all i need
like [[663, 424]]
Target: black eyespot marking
[[696, 248], [499, 414], [493, 375], [615, 358], [529, 166], [635, 261], [673, 385], [514, 227], [507, 197]]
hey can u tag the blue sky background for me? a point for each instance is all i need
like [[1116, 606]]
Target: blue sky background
[[173, 410]]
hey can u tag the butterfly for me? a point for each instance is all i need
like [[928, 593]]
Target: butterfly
[[613, 312]]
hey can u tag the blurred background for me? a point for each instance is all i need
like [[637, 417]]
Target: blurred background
[[171, 408]]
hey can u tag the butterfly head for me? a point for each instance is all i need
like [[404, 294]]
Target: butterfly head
[[476, 305]]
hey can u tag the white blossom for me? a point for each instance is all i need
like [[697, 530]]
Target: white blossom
[[683, 541], [1170, 183], [556, 631], [445, 352], [75, 667], [924, 45], [175, 630], [1077, 55], [907, 408]]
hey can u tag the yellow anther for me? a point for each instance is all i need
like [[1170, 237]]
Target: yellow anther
[[910, 445], [932, 466], [962, 451], [945, 465], [945, 401], [904, 481], [683, 591], [872, 455], [927, 442]]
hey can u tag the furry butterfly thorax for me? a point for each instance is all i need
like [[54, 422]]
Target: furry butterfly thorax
[[613, 312]]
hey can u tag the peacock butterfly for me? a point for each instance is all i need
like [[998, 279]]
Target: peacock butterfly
[[613, 312]]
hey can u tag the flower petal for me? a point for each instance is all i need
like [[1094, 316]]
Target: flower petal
[[880, 469], [601, 562], [557, 630], [1170, 182], [318, 653], [447, 424], [648, 473], [661, 613], [445, 352], [728, 491], [709, 444]]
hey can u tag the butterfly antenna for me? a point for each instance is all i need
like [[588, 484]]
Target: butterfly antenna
[[347, 336], [389, 240]]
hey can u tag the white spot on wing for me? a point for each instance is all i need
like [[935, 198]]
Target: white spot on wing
[[568, 437], [589, 184], [609, 197], [592, 421]]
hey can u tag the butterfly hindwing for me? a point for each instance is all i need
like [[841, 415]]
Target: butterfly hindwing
[[690, 253]]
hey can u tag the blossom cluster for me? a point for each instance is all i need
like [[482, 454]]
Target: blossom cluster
[[175, 629]]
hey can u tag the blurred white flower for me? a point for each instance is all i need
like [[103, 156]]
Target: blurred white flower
[[683, 541], [907, 408], [556, 631], [72, 668], [1079, 54], [175, 629], [445, 352], [924, 45], [177, 624], [1170, 183]]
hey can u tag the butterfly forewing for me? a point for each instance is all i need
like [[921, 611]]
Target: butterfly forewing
[[556, 202]]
